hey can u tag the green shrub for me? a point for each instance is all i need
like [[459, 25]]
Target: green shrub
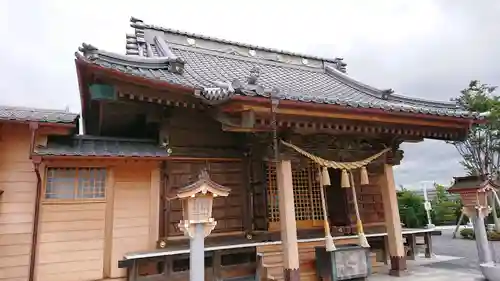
[[411, 209], [467, 233], [494, 236]]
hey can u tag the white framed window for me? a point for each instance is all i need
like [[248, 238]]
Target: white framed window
[[75, 183]]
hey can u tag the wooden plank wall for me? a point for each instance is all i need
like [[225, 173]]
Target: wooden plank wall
[[227, 211], [131, 213], [71, 242], [18, 181]]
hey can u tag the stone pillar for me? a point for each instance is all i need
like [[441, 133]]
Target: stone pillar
[[287, 221], [197, 254], [477, 215], [393, 222]]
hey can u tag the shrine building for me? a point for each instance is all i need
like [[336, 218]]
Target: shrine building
[[94, 206]]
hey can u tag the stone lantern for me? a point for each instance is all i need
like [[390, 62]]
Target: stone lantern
[[474, 192], [197, 222]]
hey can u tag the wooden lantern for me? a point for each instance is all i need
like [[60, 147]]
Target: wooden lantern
[[197, 200], [473, 190]]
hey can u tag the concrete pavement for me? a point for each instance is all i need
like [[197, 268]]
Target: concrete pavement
[[421, 270], [455, 260]]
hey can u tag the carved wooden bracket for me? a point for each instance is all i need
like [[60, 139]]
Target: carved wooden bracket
[[243, 122], [394, 157]]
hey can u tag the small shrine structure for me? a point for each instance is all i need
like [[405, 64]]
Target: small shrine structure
[[475, 192]]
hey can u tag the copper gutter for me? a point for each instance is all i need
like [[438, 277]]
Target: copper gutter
[[42, 124], [36, 167], [135, 158]]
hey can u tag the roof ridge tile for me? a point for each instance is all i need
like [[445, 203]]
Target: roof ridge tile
[[138, 24]]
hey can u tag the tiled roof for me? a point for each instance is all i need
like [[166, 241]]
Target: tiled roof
[[84, 145], [12, 113], [471, 182], [217, 69]]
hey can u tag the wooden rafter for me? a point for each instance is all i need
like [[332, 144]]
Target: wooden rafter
[[352, 116]]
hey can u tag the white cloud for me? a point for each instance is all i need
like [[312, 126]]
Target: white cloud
[[421, 48]]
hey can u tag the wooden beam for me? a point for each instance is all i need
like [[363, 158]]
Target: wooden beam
[[227, 128], [238, 101], [61, 131], [108, 226], [101, 117], [154, 205], [248, 119], [99, 159], [356, 117]]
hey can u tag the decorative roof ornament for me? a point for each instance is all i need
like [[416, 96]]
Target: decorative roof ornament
[[176, 63], [254, 76], [88, 51], [340, 65], [222, 92], [136, 43], [387, 93], [135, 20]]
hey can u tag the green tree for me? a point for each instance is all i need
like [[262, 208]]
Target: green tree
[[481, 150], [443, 208], [411, 209]]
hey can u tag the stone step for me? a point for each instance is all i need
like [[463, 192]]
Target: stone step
[[304, 276]]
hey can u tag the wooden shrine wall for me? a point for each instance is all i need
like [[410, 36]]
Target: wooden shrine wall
[[227, 211], [369, 200], [17, 203], [196, 135], [240, 161], [306, 186], [90, 236]]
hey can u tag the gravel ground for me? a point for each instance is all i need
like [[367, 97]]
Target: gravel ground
[[445, 245]]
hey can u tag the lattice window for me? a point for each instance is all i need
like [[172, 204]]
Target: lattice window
[[307, 196], [75, 183]]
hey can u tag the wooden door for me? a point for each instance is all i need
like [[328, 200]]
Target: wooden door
[[306, 193], [337, 200], [258, 200], [227, 211]]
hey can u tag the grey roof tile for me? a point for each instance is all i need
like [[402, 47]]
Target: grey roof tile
[[472, 182], [13, 113], [207, 63], [100, 146]]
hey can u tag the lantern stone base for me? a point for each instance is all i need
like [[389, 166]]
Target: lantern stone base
[[491, 271], [189, 227]]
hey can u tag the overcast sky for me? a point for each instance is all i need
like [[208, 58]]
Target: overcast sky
[[429, 49]]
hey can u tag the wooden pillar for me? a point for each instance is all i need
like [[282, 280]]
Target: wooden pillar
[[287, 221], [393, 223], [428, 244], [108, 225], [154, 206]]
